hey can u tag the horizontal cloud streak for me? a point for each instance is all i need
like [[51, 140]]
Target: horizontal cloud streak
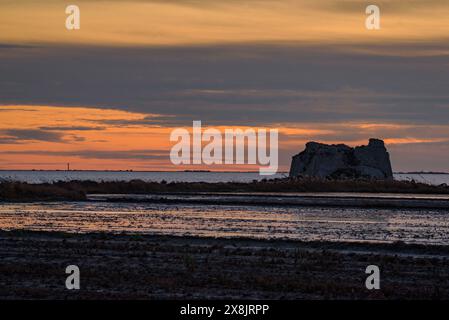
[[255, 85], [19, 135], [100, 154], [71, 128]]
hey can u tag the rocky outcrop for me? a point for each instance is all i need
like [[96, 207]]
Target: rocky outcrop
[[342, 161]]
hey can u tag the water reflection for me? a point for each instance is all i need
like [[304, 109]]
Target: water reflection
[[331, 224]]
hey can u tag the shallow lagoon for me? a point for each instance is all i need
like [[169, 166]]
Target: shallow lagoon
[[301, 223]]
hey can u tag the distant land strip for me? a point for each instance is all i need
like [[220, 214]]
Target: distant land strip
[[78, 190]]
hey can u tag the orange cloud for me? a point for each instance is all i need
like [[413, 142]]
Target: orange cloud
[[45, 137]]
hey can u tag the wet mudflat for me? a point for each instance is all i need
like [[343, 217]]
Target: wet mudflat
[[32, 266], [131, 250]]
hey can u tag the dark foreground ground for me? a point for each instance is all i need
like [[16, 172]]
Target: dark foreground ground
[[32, 266]]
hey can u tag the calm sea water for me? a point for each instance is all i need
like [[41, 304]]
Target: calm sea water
[[302, 223], [179, 176], [52, 176]]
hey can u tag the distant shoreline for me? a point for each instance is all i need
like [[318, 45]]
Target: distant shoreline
[[186, 171], [421, 172], [150, 171], [77, 190]]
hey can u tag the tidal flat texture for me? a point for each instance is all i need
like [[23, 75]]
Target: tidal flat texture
[[32, 266]]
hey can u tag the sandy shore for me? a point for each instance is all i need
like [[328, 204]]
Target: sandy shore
[[32, 266]]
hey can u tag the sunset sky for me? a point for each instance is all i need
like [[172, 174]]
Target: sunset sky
[[108, 95]]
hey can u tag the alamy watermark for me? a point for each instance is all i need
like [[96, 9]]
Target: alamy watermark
[[372, 21], [372, 282], [232, 147], [73, 20], [72, 282]]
